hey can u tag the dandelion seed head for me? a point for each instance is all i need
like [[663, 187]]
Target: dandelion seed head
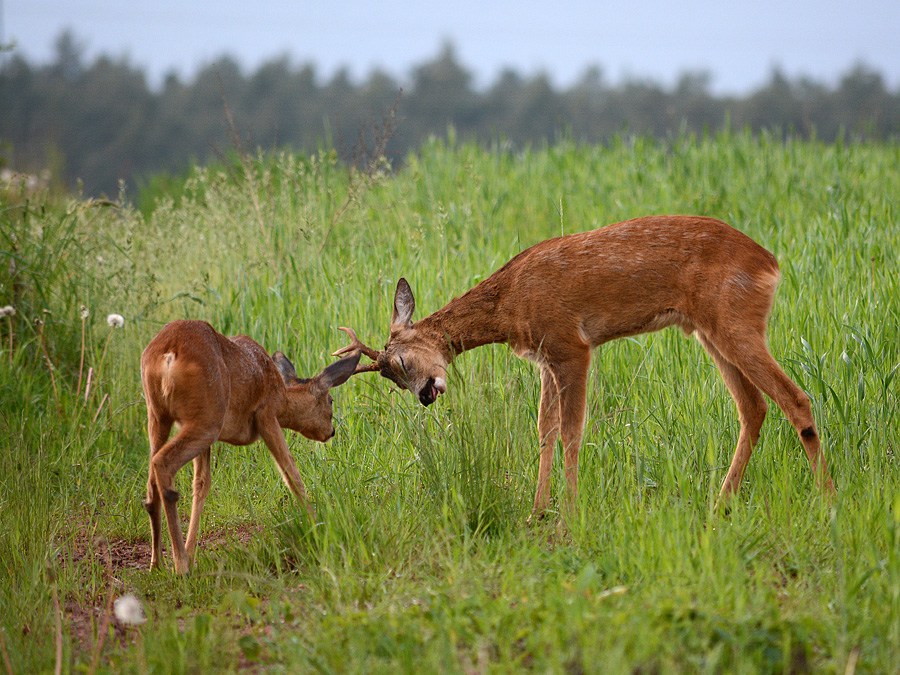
[[129, 611], [9, 310], [115, 320], [85, 312]]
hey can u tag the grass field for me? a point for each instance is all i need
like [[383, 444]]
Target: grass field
[[422, 560]]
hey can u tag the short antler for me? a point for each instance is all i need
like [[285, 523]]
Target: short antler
[[356, 345]]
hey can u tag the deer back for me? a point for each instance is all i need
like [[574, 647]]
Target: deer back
[[193, 375]]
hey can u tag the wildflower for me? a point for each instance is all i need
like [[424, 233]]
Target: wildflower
[[85, 312], [129, 611], [9, 310], [115, 320]]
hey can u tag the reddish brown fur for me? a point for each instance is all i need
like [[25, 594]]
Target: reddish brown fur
[[556, 301], [222, 389]]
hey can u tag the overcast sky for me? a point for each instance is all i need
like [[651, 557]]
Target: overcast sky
[[737, 42]]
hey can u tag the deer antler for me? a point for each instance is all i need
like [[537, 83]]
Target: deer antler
[[356, 345]]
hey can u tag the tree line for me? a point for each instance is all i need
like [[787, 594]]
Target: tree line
[[96, 124]]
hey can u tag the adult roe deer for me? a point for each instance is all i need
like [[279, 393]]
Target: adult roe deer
[[222, 389], [556, 301]]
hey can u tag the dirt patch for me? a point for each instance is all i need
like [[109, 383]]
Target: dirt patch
[[85, 624], [116, 554], [120, 554], [222, 539], [85, 617]]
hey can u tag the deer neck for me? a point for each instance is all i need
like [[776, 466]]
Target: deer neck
[[287, 413], [471, 320]]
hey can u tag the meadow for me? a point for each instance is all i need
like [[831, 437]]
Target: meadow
[[421, 559]]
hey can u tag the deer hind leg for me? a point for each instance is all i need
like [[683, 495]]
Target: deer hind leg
[[753, 358], [202, 482], [187, 444], [158, 431], [571, 378], [751, 406], [548, 432], [273, 437]]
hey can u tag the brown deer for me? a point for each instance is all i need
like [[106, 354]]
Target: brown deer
[[222, 389], [556, 301]]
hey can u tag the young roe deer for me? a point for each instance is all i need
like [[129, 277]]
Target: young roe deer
[[222, 389], [556, 301]]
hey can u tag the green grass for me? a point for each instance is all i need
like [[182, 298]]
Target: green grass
[[422, 560]]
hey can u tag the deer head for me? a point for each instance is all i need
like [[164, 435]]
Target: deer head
[[308, 404], [413, 359]]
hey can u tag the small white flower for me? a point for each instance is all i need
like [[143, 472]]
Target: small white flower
[[129, 611], [85, 312], [115, 320]]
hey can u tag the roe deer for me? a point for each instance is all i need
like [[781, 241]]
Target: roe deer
[[556, 301], [222, 389]]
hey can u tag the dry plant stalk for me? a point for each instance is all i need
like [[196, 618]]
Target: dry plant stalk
[[363, 165], [107, 615], [59, 634], [6, 662], [40, 325], [235, 138]]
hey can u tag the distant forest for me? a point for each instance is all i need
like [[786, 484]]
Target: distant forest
[[94, 124]]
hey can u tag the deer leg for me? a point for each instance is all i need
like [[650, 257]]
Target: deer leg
[[548, 431], [272, 436], [753, 358], [571, 378], [751, 406], [158, 431], [186, 445], [202, 481]]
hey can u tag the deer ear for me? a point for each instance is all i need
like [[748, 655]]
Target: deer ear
[[404, 305], [338, 372], [285, 368]]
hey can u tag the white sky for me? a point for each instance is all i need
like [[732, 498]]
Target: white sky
[[737, 42]]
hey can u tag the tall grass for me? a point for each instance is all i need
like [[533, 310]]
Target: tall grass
[[421, 559]]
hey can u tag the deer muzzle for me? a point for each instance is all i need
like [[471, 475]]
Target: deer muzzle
[[432, 389]]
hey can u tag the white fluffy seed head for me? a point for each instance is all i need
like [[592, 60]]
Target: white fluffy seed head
[[115, 320], [129, 611]]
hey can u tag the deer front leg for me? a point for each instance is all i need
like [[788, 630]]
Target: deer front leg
[[273, 437], [571, 378], [202, 481], [158, 431], [548, 431]]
